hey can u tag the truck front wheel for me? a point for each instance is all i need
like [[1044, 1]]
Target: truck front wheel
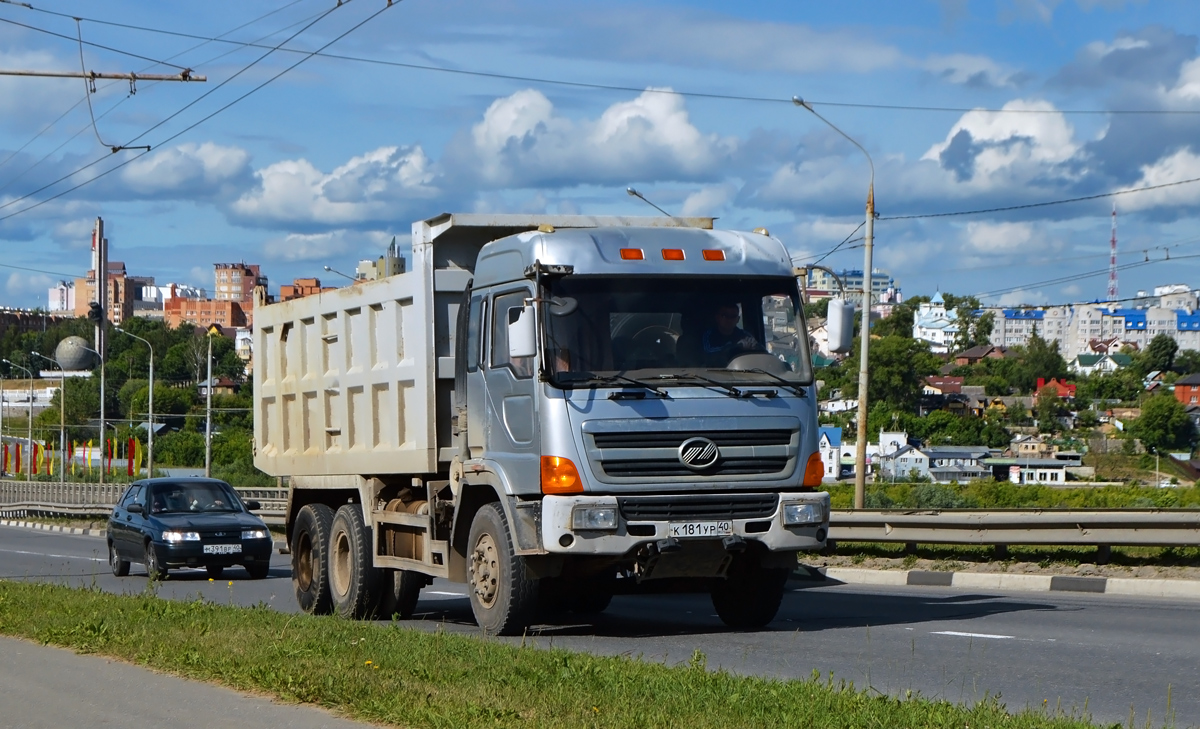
[[750, 595], [310, 545], [503, 596]]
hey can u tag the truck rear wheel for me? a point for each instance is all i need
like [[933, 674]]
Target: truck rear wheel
[[750, 595], [400, 591], [353, 581], [503, 596], [310, 545]]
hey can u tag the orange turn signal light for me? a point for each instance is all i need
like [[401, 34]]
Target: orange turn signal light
[[813, 472], [714, 255], [672, 254], [632, 254], [559, 476]]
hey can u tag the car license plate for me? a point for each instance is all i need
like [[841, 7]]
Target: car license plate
[[700, 529], [222, 548]]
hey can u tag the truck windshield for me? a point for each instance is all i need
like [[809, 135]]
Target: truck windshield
[[732, 330]]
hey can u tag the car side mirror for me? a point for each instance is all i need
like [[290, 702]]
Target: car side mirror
[[522, 335], [252, 505], [839, 324], [135, 509]]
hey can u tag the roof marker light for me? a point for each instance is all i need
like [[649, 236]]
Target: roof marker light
[[713, 255], [632, 254], [672, 254]]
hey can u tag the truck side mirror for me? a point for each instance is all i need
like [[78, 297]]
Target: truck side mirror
[[522, 335], [839, 323]]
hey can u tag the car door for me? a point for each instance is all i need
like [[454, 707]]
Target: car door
[[512, 436], [123, 522]]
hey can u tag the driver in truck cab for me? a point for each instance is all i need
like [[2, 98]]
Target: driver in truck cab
[[724, 339]]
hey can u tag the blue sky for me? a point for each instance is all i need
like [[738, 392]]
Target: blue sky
[[325, 164]]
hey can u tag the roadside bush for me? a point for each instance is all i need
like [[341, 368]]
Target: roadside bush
[[940, 496]]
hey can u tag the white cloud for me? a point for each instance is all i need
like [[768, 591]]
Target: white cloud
[[1004, 238], [1183, 164], [373, 186], [1020, 298], [522, 141], [1187, 88], [24, 284], [708, 200], [970, 70], [75, 233], [335, 247], [187, 169], [1100, 49]]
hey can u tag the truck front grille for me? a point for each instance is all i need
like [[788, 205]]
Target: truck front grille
[[697, 507], [674, 439], [630, 468]]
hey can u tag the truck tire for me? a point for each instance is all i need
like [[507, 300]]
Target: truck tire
[[750, 595], [310, 572], [503, 596], [401, 589], [353, 581]]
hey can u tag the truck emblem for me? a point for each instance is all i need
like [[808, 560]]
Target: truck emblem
[[698, 453]]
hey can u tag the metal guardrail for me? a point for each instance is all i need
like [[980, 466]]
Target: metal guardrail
[[46, 498], [1097, 527]]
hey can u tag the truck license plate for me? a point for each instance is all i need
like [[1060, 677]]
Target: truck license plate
[[700, 529], [222, 548]]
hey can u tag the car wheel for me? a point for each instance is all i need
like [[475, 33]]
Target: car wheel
[[310, 569], [503, 596], [155, 570], [120, 567], [215, 571], [750, 595], [258, 570], [353, 581]]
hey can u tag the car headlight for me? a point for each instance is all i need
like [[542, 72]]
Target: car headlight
[[178, 536], [255, 534], [594, 517], [796, 514]]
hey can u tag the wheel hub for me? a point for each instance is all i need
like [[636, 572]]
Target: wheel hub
[[485, 570], [304, 562], [341, 563]]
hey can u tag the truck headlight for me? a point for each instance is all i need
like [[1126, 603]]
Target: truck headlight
[[796, 514], [599, 518], [178, 536]]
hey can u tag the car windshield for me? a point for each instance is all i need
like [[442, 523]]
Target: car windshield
[[732, 330], [186, 498]]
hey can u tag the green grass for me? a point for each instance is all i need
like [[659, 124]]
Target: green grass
[[1064, 556], [988, 494], [412, 678]]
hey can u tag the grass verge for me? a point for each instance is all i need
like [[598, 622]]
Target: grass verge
[[413, 678]]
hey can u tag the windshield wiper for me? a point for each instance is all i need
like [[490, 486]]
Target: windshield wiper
[[592, 377], [728, 389], [794, 388]]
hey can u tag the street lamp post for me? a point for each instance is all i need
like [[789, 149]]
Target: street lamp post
[[343, 275], [62, 418], [30, 373], [208, 388], [150, 405], [860, 459]]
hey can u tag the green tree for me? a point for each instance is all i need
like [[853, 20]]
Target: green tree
[[1187, 362], [1164, 425], [1159, 355], [816, 309], [1047, 409], [898, 367]]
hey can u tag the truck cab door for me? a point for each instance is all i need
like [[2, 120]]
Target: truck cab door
[[470, 392], [512, 435]]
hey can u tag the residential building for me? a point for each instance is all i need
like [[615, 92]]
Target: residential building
[[942, 385], [61, 298], [1031, 446], [884, 288], [302, 287], [179, 311], [1042, 471], [236, 282], [935, 325], [389, 264], [980, 352], [1091, 364], [957, 464], [1054, 387], [829, 443], [121, 293], [1187, 389], [904, 464]]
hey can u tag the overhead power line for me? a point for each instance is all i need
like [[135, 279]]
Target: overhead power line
[[1028, 206], [641, 89], [94, 45]]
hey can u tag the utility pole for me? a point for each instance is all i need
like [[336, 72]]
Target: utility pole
[[208, 388], [184, 75], [100, 269], [860, 459]]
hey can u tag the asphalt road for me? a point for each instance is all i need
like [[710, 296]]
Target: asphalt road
[[1106, 653]]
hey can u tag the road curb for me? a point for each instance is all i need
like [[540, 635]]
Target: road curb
[[278, 545], [1131, 586]]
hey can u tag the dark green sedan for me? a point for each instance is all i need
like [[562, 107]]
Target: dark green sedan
[[166, 523]]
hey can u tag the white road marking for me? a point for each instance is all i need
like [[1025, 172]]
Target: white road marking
[[48, 554], [444, 594], [973, 635]]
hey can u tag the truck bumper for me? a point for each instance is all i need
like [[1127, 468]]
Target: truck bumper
[[561, 533]]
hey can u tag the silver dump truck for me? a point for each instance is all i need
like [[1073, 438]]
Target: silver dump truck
[[549, 409]]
